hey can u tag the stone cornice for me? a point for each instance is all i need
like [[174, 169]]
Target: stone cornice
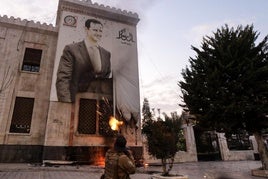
[[27, 25], [86, 7]]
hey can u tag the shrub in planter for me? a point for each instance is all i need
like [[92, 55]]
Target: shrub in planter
[[163, 139]]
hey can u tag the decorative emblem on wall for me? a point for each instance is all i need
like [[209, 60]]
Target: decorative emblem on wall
[[70, 20]]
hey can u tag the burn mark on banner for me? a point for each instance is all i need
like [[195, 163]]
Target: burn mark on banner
[[125, 36]]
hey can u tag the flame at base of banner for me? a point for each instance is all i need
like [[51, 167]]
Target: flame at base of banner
[[115, 124]]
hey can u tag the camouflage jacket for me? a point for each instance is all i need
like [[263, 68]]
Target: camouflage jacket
[[118, 165]]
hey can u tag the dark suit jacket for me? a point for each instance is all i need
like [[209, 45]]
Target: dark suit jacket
[[75, 71]]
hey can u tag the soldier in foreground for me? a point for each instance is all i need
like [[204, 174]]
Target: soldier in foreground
[[119, 161]]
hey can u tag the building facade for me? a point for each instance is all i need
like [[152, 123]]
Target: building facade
[[36, 125]]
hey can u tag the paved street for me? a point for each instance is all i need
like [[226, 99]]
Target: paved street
[[195, 170]]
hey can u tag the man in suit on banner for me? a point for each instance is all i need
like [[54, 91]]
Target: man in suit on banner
[[83, 63]]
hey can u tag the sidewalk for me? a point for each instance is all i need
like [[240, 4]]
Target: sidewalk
[[195, 170]]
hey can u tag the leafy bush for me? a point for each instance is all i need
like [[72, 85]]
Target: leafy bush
[[163, 138]]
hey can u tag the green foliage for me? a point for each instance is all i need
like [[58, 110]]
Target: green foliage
[[146, 111], [226, 85], [182, 141], [163, 139]]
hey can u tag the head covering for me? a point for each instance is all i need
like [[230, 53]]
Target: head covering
[[120, 143]]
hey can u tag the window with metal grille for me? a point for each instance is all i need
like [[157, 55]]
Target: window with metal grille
[[31, 60], [87, 116], [239, 141], [22, 115], [93, 117]]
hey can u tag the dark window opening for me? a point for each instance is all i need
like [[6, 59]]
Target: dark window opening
[[22, 115], [31, 60], [87, 116]]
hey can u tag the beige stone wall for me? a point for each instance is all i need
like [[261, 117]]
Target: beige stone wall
[[190, 155], [227, 154], [15, 36], [52, 122], [58, 124], [60, 133]]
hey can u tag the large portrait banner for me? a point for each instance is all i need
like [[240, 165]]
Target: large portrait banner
[[97, 55]]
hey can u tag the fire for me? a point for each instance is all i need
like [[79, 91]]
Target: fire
[[100, 161], [146, 165], [114, 123]]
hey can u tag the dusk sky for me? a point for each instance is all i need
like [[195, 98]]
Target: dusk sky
[[166, 31]]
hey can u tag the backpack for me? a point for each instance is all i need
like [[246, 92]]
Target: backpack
[[111, 165]]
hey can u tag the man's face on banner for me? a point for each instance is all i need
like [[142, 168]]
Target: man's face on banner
[[94, 33]]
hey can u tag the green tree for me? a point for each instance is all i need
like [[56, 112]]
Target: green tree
[[146, 111], [163, 137], [226, 84]]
